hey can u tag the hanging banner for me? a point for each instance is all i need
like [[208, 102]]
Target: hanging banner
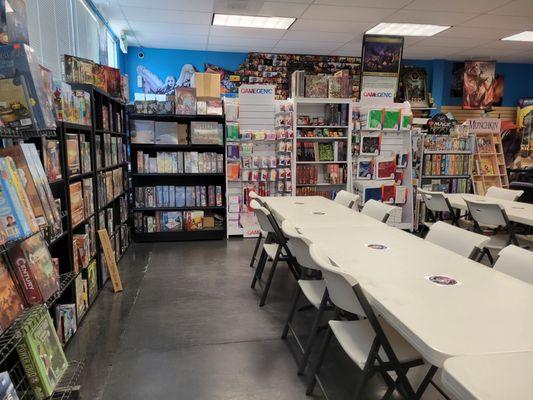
[[479, 84], [484, 125], [382, 56]]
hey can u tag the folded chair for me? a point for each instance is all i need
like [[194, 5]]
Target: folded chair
[[516, 262], [377, 210], [371, 343], [458, 240], [347, 199]]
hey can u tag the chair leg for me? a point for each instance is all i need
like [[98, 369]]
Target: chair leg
[[257, 243], [313, 334], [260, 266], [316, 370], [291, 312], [425, 382], [270, 277]]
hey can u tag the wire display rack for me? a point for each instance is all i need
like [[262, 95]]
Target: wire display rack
[[64, 282], [21, 134], [68, 387]]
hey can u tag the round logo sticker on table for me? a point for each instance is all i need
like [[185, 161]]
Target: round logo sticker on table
[[443, 280], [375, 246]]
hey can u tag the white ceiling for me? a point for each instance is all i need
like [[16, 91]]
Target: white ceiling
[[333, 27]]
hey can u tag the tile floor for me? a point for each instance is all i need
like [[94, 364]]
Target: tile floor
[[188, 327]]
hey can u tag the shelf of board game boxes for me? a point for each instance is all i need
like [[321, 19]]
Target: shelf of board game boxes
[[13, 133]]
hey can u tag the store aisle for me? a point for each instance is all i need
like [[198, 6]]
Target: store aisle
[[188, 327]]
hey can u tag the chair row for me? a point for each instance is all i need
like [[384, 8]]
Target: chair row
[[372, 344]]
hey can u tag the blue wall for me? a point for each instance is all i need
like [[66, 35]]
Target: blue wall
[[163, 62]]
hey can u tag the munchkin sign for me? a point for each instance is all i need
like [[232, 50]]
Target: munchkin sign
[[484, 125]]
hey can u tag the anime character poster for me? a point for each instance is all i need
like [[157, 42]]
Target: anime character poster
[[479, 84], [382, 55], [153, 84]]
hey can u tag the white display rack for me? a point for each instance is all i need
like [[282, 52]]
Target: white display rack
[[394, 145], [315, 108]]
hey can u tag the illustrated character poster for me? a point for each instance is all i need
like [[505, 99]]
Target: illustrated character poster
[[382, 55], [479, 84], [415, 87], [152, 84]]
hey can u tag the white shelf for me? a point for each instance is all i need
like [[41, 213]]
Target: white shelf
[[321, 162], [447, 152], [321, 184], [323, 126], [321, 138], [313, 100]]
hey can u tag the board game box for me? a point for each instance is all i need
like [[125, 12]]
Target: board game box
[[11, 302]]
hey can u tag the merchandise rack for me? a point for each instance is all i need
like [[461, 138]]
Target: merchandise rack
[[178, 179], [315, 107], [482, 180]]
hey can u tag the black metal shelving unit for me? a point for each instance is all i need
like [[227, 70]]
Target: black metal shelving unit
[[178, 179]]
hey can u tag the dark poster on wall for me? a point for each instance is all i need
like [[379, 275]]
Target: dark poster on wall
[[415, 86], [456, 89], [382, 55], [479, 84]]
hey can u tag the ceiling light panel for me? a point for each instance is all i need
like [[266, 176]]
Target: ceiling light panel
[[400, 29], [526, 36], [251, 21]]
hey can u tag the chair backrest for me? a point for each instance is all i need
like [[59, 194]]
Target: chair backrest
[[377, 210], [487, 214], [347, 199], [517, 262], [435, 201], [262, 215], [298, 245], [339, 284], [254, 196], [504, 194], [455, 239]]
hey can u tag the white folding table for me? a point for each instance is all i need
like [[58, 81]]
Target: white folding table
[[516, 211], [485, 312], [315, 211], [489, 377]]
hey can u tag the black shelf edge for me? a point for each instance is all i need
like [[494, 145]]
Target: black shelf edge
[[175, 118], [77, 127], [147, 146], [111, 167], [83, 221], [57, 182], [204, 234], [68, 384], [154, 175], [111, 202], [200, 208], [14, 133], [88, 87], [56, 239], [77, 177], [65, 280], [110, 132]]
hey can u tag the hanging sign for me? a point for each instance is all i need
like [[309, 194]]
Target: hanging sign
[[484, 125], [440, 124]]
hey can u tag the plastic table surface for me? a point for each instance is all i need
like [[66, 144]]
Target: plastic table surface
[[315, 211], [485, 312], [489, 377], [516, 211]]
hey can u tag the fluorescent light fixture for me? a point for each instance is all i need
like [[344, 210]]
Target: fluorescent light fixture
[[399, 29], [526, 36], [250, 21]]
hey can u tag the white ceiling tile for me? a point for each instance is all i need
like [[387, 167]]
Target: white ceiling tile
[[428, 17], [495, 21], [453, 42], [318, 25], [298, 50], [430, 51], [171, 16], [366, 3], [189, 39], [295, 44], [476, 33], [109, 10], [158, 44], [505, 45], [354, 48], [474, 6], [280, 9], [162, 28], [518, 8], [237, 49], [320, 36], [358, 14], [230, 31], [183, 5], [243, 43], [483, 54]]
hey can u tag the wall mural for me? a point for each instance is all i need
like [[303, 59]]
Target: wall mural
[[152, 84]]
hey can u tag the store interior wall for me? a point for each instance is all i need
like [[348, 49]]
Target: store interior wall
[[168, 62]]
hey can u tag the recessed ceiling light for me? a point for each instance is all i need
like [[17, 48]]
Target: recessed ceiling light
[[251, 21], [393, 28], [526, 36]]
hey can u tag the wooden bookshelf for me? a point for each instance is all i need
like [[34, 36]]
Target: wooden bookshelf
[[153, 179], [489, 163]]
